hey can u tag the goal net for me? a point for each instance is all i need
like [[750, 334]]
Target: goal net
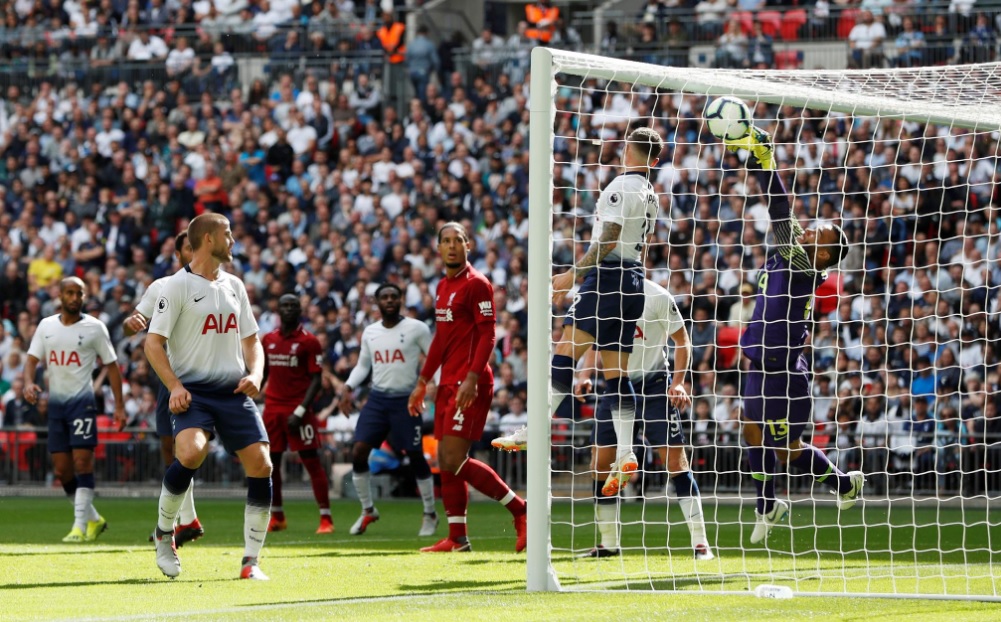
[[902, 343]]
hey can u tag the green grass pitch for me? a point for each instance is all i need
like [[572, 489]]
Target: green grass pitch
[[381, 576]]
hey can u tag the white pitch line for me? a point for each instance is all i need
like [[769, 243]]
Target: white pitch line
[[276, 606]]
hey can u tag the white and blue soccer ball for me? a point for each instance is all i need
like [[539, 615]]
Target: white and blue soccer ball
[[728, 118]]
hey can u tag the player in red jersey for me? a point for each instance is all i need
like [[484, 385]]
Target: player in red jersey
[[463, 342], [292, 358]]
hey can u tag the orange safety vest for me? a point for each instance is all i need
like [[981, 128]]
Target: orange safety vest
[[535, 13], [392, 41]]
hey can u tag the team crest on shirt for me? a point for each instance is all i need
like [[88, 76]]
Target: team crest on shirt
[[161, 304], [450, 299], [295, 347]]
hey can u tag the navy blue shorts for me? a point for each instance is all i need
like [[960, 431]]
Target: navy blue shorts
[[656, 420], [386, 417], [607, 306], [233, 416], [780, 402], [72, 424], [164, 427]]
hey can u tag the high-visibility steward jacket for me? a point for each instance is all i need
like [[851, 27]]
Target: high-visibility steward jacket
[[392, 41], [535, 13]]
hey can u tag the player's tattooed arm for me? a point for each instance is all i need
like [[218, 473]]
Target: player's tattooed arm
[[598, 251]]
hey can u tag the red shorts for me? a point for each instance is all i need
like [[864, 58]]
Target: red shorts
[[467, 423], [276, 423]]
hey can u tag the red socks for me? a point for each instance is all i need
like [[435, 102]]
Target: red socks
[[483, 478], [455, 498], [318, 478]]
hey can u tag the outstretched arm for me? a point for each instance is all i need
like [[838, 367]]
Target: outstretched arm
[[785, 227]]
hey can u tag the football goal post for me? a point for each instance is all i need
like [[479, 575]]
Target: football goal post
[[903, 334]]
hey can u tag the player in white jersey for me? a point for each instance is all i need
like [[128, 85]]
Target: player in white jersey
[[69, 344], [661, 397], [188, 526], [610, 299], [391, 349], [213, 371]]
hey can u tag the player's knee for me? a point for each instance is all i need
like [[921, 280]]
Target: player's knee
[[677, 462], [83, 464], [359, 457], [419, 465], [782, 455], [451, 461]]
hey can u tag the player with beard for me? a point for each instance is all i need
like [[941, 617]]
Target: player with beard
[[70, 343], [213, 371], [462, 346]]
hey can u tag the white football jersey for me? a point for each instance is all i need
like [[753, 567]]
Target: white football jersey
[[660, 320], [393, 355], [69, 354], [147, 303], [631, 201], [205, 323]]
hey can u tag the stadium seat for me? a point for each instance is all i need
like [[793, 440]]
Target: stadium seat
[[746, 19], [846, 22], [829, 294], [770, 22], [788, 59], [792, 22], [727, 338]]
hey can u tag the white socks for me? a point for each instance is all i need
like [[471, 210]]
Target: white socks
[[169, 505], [83, 508], [622, 422], [255, 528], [607, 517], [426, 486], [363, 486], [691, 507], [187, 514]]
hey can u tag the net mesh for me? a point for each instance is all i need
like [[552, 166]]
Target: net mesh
[[902, 336]]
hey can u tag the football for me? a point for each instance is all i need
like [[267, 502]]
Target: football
[[728, 118]]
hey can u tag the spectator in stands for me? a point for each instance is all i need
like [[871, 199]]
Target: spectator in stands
[[391, 36], [980, 43], [732, 46], [760, 52], [865, 42], [677, 44], [423, 63], [541, 17]]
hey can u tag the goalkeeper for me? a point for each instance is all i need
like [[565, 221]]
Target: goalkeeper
[[777, 402]]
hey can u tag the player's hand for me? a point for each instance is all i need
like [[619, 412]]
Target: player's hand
[[678, 396], [180, 400], [294, 423], [415, 404], [347, 401], [31, 391], [466, 395], [249, 386], [136, 323], [120, 417], [584, 386], [562, 284]]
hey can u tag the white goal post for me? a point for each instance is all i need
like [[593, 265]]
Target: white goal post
[[965, 97]]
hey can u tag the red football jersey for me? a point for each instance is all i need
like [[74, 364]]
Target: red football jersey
[[291, 362], [464, 328]]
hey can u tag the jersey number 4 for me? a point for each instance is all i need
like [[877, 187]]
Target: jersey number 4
[[459, 419]]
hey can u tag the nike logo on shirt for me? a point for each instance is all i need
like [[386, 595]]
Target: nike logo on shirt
[[200, 299]]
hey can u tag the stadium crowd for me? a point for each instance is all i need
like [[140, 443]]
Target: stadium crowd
[[331, 190]]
